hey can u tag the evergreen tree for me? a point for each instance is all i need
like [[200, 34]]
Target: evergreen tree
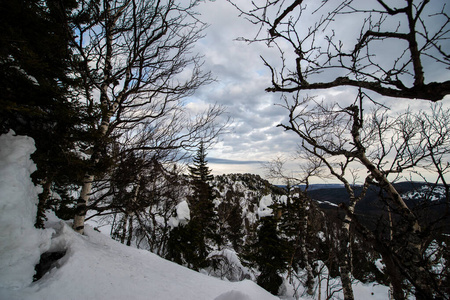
[[39, 96], [196, 237], [200, 172], [203, 225], [234, 228], [268, 254]]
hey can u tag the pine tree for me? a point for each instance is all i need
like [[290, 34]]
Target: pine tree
[[201, 231], [268, 254], [38, 96], [200, 172]]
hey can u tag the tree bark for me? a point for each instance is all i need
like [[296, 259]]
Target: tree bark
[[80, 213], [344, 261], [130, 230], [43, 197], [396, 279], [108, 109]]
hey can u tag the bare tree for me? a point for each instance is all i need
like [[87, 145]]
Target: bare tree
[[300, 215], [384, 146], [134, 58], [435, 132], [320, 49]]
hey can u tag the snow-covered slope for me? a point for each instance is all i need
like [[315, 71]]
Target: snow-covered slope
[[94, 266]]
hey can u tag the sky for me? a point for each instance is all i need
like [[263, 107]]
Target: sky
[[253, 137]]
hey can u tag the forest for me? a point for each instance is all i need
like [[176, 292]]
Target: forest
[[102, 89]]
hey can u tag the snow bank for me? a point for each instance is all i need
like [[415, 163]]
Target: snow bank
[[233, 295], [96, 267], [21, 244]]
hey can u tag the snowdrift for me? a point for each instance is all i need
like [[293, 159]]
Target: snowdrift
[[96, 267], [21, 244]]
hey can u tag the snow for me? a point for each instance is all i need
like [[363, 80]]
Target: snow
[[435, 193], [264, 203], [230, 267], [183, 215], [321, 236], [327, 202], [380, 265], [233, 295], [94, 266], [21, 244], [331, 286]]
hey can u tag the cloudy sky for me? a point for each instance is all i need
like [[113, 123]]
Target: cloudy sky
[[241, 81], [241, 77]]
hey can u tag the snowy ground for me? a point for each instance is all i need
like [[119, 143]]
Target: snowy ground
[[94, 266]]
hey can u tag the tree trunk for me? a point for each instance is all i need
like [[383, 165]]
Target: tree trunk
[[130, 229], [43, 197], [396, 285], [396, 279], [80, 213], [124, 228], [108, 109], [411, 259], [344, 263], [344, 247], [304, 249], [133, 209], [346, 280]]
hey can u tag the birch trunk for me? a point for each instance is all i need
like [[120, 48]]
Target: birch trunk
[[82, 203], [130, 230], [395, 285], [308, 267], [132, 210], [108, 109], [124, 228], [411, 257], [344, 258]]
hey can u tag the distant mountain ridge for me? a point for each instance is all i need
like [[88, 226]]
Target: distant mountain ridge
[[251, 188]]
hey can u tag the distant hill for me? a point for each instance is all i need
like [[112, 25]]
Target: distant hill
[[428, 203]]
